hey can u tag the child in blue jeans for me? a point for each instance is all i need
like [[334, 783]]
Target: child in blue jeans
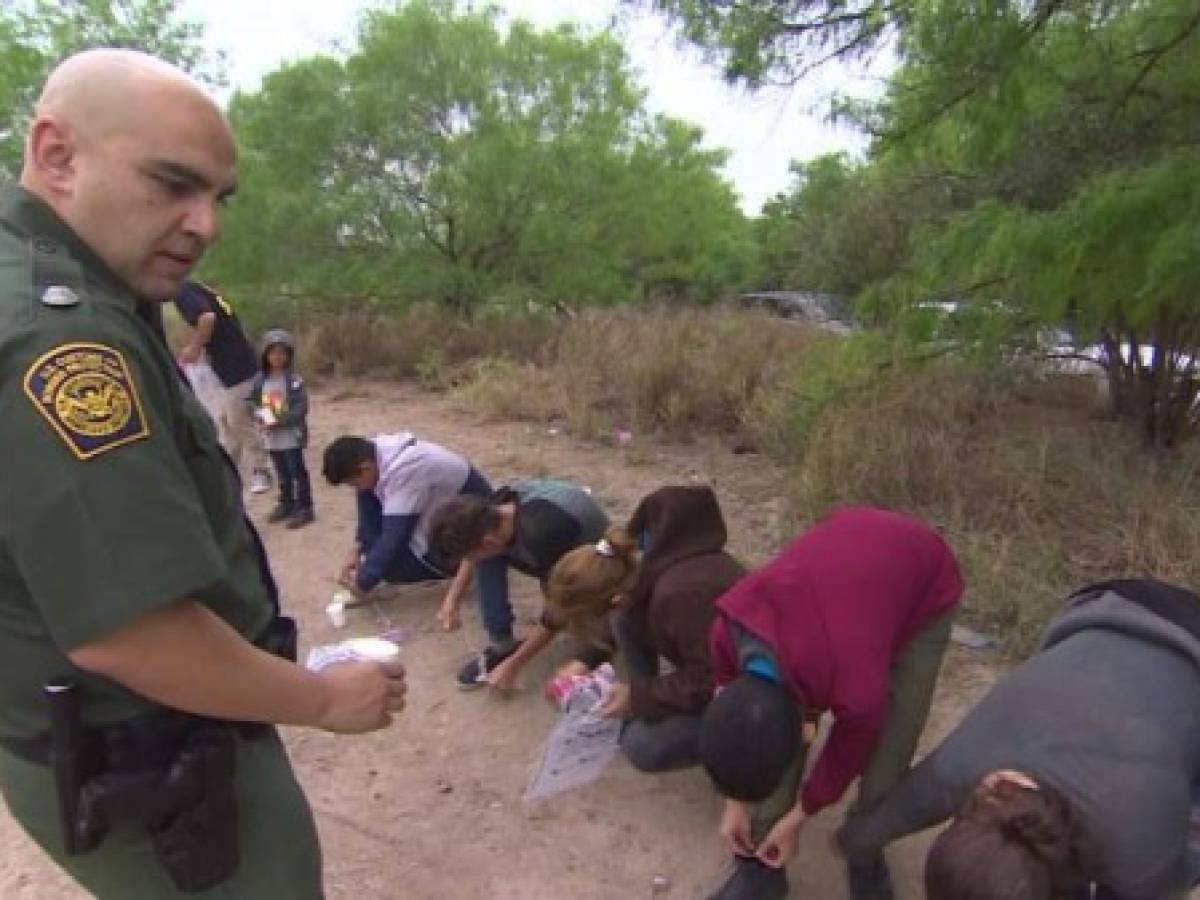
[[279, 401]]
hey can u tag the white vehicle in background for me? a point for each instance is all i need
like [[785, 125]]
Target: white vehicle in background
[[828, 312]]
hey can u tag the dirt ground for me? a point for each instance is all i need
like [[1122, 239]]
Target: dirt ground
[[432, 809]]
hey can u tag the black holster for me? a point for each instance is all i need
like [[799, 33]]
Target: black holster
[[181, 789], [173, 773], [197, 841]]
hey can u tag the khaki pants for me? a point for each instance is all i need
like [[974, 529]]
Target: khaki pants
[[236, 431], [280, 854], [914, 676]]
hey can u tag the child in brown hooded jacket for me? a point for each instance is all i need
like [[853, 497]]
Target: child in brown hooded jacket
[[655, 581]]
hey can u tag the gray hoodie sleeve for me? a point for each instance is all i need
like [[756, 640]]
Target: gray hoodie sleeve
[[928, 795]]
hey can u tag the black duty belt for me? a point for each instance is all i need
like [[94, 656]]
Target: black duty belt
[[148, 741]]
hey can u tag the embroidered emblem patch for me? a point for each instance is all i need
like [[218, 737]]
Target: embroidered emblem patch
[[86, 394]]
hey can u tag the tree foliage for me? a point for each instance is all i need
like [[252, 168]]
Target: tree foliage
[[35, 35], [450, 158], [1047, 155], [780, 41]]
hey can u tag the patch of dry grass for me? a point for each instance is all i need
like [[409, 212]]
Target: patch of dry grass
[[1036, 493], [679, 372], [417, 342]]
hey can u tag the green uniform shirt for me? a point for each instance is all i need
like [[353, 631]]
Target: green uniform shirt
[[115, 498]]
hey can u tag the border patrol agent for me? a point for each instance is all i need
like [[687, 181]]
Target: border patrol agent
[[142, 650]]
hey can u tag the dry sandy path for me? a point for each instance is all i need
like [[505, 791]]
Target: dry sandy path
[[388, 829]]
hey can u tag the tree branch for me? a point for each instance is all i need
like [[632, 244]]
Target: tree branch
[[1155, 55]]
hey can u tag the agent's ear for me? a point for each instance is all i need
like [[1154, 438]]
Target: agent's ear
[[53, 154]]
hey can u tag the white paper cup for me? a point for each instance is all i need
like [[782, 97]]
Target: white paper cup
[[374, 649], [336, 611]]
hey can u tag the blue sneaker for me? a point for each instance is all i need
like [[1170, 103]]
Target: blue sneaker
[[473, 675]]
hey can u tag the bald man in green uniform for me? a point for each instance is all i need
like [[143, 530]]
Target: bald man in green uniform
[[140, 687]]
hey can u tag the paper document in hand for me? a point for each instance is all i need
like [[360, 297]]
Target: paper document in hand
[[579, 748]]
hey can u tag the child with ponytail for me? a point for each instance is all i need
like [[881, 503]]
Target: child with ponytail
[[648, 591]]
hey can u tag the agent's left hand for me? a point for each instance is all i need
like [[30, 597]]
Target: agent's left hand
[[783, 840]]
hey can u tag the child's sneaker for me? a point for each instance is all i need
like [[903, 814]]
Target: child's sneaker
[[473, 675], [280, 512], [301, 517], [260, 481]]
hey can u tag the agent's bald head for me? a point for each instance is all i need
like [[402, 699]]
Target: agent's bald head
[[134, 156]]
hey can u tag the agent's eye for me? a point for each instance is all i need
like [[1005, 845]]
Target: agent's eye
[[176, 187]]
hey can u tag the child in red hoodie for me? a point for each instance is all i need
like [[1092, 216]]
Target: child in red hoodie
[[853, 618]]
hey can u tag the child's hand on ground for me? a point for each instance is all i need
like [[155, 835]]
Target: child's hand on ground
[[504, 676], [617, 704], [449, 617], [347, 575]]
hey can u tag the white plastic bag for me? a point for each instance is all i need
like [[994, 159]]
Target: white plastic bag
[[206, 386], [579, 749]]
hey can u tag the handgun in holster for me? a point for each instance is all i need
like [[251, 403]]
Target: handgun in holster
[[187, 806]]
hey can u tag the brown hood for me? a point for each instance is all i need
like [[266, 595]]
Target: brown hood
[[679, 523]]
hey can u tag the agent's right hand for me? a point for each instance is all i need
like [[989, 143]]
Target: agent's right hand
[[361, 696], [735, 828]]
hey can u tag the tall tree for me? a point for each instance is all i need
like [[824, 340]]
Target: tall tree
[[1056, 138], [780, 41], [451, 158], [35, 35]]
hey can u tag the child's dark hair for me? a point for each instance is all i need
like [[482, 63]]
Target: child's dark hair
[[1009, 842], [266, 366], [460, 525], [750, 734], [343, 457], [276, 337]]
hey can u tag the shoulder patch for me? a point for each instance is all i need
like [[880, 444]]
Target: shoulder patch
[[86, 394]]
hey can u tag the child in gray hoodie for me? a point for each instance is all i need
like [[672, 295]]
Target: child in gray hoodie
[[279, 402]]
